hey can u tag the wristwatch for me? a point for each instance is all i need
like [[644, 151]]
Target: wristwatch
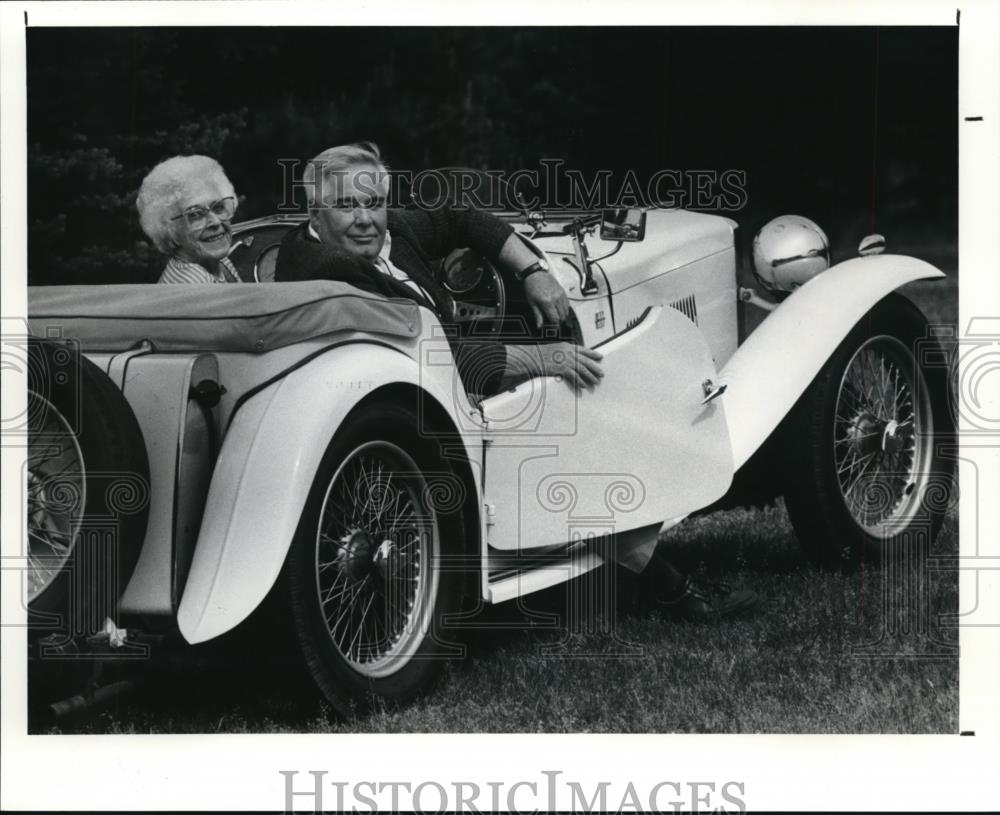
[[537, 266]]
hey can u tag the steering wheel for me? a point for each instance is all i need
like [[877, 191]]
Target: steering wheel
[[479, 291]]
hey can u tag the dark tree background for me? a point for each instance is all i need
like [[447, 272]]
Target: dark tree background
[[856, 128]]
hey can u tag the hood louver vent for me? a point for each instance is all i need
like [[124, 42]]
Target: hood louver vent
[[687, 307]]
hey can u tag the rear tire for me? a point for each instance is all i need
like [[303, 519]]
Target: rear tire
[[865, 478], [87, 507], [368, 573]]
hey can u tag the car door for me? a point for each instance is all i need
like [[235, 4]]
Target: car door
[[640, 448]]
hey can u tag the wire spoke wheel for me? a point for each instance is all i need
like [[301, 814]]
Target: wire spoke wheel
[[57, 493], [378, 562], [880, 436], [86, 499], [865, 476], [375, 545]]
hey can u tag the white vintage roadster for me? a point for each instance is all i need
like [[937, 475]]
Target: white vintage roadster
[[195, 450]]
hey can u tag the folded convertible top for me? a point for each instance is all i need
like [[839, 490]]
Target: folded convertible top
[[245, 318]]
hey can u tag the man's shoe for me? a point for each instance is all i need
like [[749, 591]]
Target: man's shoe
[[705, 602]]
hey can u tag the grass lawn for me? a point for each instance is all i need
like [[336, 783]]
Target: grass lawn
[[828, 653]]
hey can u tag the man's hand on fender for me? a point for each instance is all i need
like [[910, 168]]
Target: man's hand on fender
[[576, 364], [548, 301]]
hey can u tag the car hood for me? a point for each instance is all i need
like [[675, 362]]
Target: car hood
[[674, 238]]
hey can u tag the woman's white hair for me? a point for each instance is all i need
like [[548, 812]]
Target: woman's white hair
[[167, 182], [338, 160]]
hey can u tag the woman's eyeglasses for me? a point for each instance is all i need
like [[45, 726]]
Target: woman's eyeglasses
[[197, 217]]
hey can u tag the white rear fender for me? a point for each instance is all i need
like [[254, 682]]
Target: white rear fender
[[772, 369], [265, 470]]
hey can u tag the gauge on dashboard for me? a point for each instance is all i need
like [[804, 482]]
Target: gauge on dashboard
[[462, 271]]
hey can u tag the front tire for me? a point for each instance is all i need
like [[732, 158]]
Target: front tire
[[368, 571], [865, 478]]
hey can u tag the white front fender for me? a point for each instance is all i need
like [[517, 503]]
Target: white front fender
[[772, 369], [264, 473]]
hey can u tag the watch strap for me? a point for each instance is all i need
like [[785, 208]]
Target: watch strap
[[537, 266]]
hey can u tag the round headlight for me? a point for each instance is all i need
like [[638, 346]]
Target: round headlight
[[788, 251]]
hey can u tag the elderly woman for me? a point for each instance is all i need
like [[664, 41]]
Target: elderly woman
[[185, 205]]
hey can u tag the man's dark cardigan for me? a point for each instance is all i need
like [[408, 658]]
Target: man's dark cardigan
[[419, 238]]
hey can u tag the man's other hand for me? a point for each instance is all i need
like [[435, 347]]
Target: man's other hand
[[547, 299]]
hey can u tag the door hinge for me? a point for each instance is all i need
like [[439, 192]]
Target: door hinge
[[491, 514]]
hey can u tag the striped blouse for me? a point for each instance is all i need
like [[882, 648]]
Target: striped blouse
[[182, 271]]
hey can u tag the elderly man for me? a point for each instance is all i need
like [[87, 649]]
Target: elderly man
[[185, 205], [351, 236]]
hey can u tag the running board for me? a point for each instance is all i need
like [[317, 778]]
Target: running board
[[573, 563]]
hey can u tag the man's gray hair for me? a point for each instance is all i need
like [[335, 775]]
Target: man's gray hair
[[165, 184], [338, 160]]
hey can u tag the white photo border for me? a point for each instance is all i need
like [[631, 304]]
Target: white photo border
[[174, 772]]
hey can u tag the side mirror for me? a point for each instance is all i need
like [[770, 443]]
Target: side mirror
[[622, 224]]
